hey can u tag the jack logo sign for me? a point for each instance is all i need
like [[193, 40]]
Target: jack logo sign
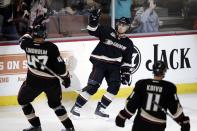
[[174, 59]]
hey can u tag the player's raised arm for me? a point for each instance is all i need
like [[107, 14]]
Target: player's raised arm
[[93, 22]]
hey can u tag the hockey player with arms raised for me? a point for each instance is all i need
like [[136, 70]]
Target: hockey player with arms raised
[[111, 59], [41, 54], [151, 98]]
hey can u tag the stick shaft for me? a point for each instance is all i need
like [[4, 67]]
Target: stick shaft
[[162, 109], [48, 69]]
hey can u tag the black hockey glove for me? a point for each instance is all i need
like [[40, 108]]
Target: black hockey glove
[[40, 20], [121, 118], [94, 17], [23, 6], [184, 121], [66, 81], [125, 76]]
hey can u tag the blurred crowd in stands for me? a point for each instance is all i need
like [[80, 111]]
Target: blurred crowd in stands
[[68, 18]]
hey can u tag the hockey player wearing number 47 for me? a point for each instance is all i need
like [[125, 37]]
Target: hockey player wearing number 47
[[39, 79], [111, 60], [152, 98]]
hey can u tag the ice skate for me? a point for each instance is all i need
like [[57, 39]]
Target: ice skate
[[68, 129], [75, 111], [33, 129], [100, 111]]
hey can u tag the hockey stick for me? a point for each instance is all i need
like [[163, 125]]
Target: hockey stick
[[49, 70], [162, 109], [53, 73]]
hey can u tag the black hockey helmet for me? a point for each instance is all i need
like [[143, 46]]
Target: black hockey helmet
[[124, 20], [39, 26], [159, 68], [39, 31]]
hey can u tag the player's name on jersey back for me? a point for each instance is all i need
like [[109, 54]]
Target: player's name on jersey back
[[154, 88]]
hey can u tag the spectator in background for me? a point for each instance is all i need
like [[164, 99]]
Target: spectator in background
[[146, 19], [104, 5], [38, 7], [57, 5], [195, 24], [21, 16], [123, 9], [34, 8], [1, 23], [7, 29], [75, 7]]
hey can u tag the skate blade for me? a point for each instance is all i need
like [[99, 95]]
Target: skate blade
[[74, 117], [81, 117], [100, 117]]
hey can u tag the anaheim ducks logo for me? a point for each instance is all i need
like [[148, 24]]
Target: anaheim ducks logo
[[136, 60]]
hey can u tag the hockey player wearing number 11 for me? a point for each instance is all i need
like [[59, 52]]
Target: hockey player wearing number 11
[[39, 79], [152, 98], [111, 60]]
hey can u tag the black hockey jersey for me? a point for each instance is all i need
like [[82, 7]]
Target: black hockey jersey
[[45, 52], [146, 93], [111, 49]]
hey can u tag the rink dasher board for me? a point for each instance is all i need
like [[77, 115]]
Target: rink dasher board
[[179, 52]]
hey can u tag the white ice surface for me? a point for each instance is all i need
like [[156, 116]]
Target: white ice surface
[[12, 118]]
